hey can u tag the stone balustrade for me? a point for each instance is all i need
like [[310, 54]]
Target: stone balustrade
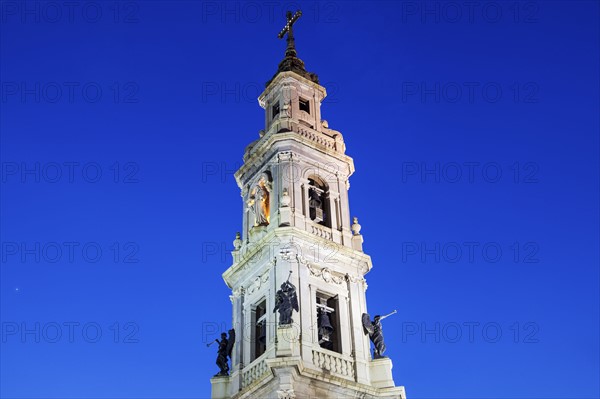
[[321, 231], [318, 138], [335, 363], [254, 371]]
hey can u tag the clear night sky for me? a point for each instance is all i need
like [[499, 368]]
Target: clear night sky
[[474, 130]]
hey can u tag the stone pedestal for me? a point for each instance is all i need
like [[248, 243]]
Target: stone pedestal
[[381, 373], [285, 216], [236, 255], [257, 232], [288, 343], [357, 242], [220, 387]]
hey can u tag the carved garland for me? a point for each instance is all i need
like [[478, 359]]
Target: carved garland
[[325, 273], [355, 279], [258, 282]]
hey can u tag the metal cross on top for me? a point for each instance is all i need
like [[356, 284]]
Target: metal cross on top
[[291, 48], [290, 21]]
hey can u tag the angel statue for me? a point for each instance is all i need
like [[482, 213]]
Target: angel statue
[[374, 330], [224, 351], [286, 302]]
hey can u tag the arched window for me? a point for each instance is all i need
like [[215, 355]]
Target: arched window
[[318, 201], [258, 335]]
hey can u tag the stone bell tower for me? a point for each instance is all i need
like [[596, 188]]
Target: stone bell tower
[[297, 229]]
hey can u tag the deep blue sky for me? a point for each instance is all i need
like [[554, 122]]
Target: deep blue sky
[[179, 82]]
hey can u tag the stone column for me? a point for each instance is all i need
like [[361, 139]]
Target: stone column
[[306, 303], [361, 351], [345, 325], [237, 364]]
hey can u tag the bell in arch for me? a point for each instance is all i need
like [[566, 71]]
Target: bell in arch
[[325, 327]]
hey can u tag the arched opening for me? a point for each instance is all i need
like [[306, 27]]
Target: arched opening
[[319, 209]]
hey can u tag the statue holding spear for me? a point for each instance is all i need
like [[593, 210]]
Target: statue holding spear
[[286, 301], [374, 330]]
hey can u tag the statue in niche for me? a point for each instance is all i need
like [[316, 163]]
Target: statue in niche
[[224, 351], [374, 330], [287, 109], [259, 201], [286, 301]]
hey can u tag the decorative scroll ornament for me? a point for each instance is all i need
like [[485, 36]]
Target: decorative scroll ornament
[[286, 156], [325, 273], [286, 394], [289, 251], [238, 292], [258, 282], [355, 279]]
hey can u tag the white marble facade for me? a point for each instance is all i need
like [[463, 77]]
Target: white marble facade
[[296, 217]]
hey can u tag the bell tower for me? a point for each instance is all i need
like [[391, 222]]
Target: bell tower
[[300, 317]]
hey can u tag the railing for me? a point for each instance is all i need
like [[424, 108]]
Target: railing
[[323, 232], [335, 363], [318, 138], [254, 371]]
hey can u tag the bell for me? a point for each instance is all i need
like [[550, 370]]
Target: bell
[[325, 327]]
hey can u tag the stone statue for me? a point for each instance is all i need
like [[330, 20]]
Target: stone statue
[[374, 330], [259, 202], [287, 109], [224, 351], [286, 302]]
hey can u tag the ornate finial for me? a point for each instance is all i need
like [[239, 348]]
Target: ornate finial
[[291, 62], [355, 227], [237, 243]]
